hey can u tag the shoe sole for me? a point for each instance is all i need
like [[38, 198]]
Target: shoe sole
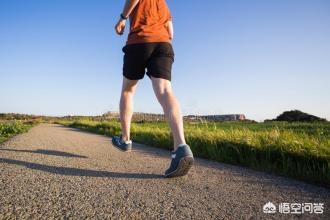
[[183, 167]]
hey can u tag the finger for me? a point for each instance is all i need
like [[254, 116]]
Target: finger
[[118, 31], [122, 29]]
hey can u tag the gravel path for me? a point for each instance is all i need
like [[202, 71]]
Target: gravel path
[[58, 172]]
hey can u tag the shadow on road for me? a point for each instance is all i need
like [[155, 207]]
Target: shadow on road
[[151, 151], [137, 147], [80, 172], [47, 152]]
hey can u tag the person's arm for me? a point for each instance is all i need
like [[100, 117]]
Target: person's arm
[[169, 23], [128, 8], [170, 29]]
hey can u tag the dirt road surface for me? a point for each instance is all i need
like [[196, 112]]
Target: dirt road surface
[[58, 172]]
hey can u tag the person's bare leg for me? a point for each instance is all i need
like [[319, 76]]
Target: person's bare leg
[[168, 101], [126, 106]]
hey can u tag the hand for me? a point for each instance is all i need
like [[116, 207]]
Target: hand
[[170, 29], [120, 26]]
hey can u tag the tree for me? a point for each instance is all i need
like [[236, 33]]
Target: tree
[[296, 115]]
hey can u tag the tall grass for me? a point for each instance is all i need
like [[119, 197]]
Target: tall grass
[[11, 128], [299, 150]]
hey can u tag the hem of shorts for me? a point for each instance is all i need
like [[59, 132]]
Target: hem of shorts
[[130, 78], [159, 76]]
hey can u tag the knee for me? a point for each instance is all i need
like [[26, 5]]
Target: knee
[[166, 98], [162, 89], [128, 91], [164, 92], [126, 96]]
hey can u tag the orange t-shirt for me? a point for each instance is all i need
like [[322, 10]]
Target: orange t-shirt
[[148, 22]]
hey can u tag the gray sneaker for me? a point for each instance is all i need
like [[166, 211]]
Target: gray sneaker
[[182, 161], [122, 145]]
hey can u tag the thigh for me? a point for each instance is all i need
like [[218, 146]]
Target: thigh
[[129, 85], [160, 62]]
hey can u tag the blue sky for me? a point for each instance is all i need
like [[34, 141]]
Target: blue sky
[[256, 57]]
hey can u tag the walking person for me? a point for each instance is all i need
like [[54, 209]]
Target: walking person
[[149, 50]]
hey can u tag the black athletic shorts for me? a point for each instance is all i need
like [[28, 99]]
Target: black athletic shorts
[[156, 58]]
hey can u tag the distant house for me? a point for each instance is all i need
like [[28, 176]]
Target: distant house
[[111, 115], [137, 116], [230, 117], [140, 116]]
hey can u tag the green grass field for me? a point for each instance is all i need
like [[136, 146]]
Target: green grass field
[[298, 150], [10, 128]]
